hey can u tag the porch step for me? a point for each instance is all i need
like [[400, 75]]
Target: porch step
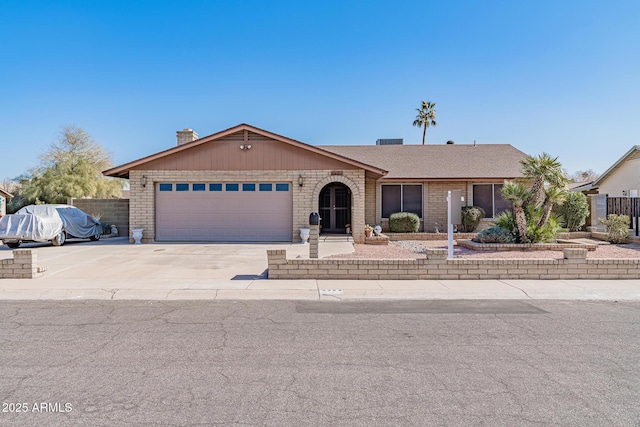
[[336, 238]]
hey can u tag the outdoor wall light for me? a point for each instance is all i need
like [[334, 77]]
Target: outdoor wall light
[[245, 146], [300, 181], [143, 180]]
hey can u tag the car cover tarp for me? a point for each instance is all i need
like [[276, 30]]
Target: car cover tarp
[[76, 223], [23, 226]]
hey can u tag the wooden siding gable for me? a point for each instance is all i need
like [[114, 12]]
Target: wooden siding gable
[[222, 151], [225, 154]]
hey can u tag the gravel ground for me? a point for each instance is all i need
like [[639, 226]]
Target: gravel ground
[[416, 249]]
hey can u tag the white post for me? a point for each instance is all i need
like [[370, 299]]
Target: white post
[[449, 226]]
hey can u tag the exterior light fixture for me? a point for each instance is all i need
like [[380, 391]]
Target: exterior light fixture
[[245, 146], [300, 181], [143, 180]]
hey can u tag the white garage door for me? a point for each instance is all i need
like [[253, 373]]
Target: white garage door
[[224, 212]]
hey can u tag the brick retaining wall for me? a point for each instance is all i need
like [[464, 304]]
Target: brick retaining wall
[[436, 266], [24, 265]]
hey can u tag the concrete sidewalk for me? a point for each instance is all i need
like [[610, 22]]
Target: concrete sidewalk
[[114, 270]]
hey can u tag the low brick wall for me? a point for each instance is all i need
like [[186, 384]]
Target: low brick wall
[[436, 266], [523, 247], [380, 239], [24, 265], [394, 237]]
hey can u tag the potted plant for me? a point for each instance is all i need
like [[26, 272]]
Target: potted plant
[[368, 230]]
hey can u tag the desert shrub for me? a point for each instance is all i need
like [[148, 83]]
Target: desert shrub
[[507, 221], [547, 232], [617, 227], [494, 234], [404, 222], [471, 216], [574, 210]]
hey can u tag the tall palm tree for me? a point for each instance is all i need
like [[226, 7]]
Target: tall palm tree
[[543, 169], [426, 117], [517, 194]]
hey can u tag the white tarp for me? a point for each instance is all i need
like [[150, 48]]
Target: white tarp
[[75, 222], [30, 227]]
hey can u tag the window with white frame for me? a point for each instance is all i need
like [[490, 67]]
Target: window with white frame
[[488, 197], [401, 198]]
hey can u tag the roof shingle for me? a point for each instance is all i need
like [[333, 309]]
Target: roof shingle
[[447, 161]]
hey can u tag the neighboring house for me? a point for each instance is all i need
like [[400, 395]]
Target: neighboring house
[[4, 198], [622, 179], [248, 184]]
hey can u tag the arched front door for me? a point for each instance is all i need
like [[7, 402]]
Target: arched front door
[[335, 208]]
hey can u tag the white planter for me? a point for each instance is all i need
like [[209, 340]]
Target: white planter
[[304, 234], [137, 235]]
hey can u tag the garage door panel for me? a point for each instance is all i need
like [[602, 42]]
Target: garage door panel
[[224, 216]]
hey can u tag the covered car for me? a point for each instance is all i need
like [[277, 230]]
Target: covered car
[[43, 223]]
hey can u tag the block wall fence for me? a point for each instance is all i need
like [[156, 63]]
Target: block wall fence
[[436, 266], [112, 211]]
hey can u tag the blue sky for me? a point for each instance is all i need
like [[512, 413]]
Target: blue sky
[[555, 76]]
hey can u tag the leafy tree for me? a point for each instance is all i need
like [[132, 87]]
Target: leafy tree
[[588, 175], [426, 117], [71, 167]]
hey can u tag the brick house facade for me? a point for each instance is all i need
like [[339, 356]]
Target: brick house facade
[[211, 188]]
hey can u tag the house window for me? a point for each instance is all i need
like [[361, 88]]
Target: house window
[[198, 187], [182, 187], [488, 197], [166, 187], [266, 187], [401, 198], [282, 187], [248, 187], [232, 187], [215, 187]]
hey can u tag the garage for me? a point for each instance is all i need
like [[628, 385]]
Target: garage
[[224, 211]]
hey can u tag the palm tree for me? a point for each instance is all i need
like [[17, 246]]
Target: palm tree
[[552, 196], [426, 117], [543, 169], [517, 194]]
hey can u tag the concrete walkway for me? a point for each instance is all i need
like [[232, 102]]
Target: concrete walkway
[[112, 269]]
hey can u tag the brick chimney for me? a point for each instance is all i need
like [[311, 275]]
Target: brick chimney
[[186, 135]]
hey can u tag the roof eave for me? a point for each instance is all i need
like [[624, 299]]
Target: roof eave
[[616, 165]]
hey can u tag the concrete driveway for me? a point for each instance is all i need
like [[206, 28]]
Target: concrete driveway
[[113, 268]]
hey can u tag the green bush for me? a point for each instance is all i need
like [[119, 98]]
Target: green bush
[[617, 227], [574, 210], [494, 234], [548, 232], [404, 222], [471, 216]]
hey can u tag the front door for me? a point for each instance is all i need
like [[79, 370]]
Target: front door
[[335, 208]]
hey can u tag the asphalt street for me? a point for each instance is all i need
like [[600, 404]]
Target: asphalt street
[[298, 363]]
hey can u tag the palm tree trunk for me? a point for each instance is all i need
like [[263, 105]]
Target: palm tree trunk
[[521, 222], [424, 133], [546, 213]]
